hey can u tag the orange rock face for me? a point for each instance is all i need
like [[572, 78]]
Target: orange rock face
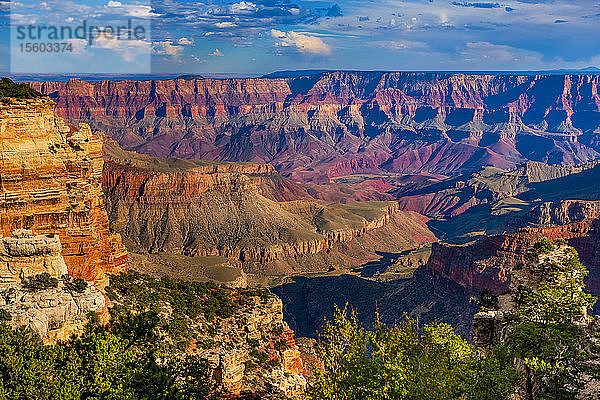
[[50, 182]]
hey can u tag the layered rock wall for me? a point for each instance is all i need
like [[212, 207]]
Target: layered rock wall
[[220, 211], [26, 255], [317, 127], [50, 183], [489, 262]]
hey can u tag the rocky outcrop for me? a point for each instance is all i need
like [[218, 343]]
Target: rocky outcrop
[[490, 185], [50, 183], [489, 263], [564, 212], [54, 312], [25, 255], [258, 328], [321, 126]]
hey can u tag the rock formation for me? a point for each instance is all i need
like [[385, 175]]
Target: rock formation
[[490, 185], [318, 127], [25, 255], [262, 330], [54, 313], [50, 183], [204, 209], [488, 263]]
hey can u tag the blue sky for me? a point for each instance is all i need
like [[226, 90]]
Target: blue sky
[[256, 37]]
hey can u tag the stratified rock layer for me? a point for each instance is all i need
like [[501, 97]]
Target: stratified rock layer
[[207, 209], [50, 183], [322, 126], [53, 313], [26, 255]]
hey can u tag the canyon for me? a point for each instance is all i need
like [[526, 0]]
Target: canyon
[[260, 164], [230, 210], [54, 228], [487, 264], [316, 127], [396, 193]]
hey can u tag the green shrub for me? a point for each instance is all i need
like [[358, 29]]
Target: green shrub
[[542, 246], [10, 89], [41, 281], [75, 146], [74, 285], [5, 315]]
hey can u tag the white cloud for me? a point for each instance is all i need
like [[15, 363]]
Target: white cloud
[[198, 60], [216, 53], [167, 48], [185, 41], [78, 46], [130, 50], [226, 24], [22, 19], [139, 11], [129, 10], [301, 42], [243, 7]]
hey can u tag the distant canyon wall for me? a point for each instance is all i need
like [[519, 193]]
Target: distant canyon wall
[[318, 127]]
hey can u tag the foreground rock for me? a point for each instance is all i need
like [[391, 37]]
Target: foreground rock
[[53, 313]]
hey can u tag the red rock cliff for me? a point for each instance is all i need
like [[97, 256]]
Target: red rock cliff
[[489, 262], [50, 183]]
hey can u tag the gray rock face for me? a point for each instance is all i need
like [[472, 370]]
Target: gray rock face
[[25, 254], [53, 313]]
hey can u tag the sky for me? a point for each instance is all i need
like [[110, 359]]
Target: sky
[[257, 37]]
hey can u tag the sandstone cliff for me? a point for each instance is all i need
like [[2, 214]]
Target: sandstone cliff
[[54, 312], [337, 123], [25, 255], [50, 183]]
